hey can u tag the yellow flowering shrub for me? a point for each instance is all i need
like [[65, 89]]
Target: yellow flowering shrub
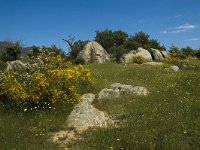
[[174, 59], [47, 80], [139, 60]]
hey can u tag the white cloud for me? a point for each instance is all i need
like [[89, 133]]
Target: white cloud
[[193, 39], [176, 16], [186, 27], [179, 29]]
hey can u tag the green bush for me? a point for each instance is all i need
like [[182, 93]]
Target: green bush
[[2, 65], [79, 60], [47, 81]]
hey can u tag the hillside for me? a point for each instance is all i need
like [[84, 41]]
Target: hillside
[[167, 118]]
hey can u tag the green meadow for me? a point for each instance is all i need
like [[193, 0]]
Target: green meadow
[[168, 118]]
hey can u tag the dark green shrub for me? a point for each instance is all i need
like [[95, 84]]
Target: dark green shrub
[[79, 60], [3, 65]]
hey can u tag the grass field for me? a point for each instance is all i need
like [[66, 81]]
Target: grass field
[[168, 118]]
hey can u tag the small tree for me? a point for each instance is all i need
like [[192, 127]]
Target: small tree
[[11, 51], [76, 48], [187, 51], [105, 38]]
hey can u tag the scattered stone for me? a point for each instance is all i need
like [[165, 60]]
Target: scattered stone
[[85, 115], [154, 63], [156, 54], [94, 52], [118, 89], [172, 69]]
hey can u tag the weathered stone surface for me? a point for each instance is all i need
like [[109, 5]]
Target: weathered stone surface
[[85, 115], [144, 53], [118, 89], [94, 52], [165, 54], [15, 65], [138, 90], [123, 89], [128, 58], [172, 69], [156, 54], [108, 93]]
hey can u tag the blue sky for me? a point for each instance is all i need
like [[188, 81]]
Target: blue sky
[[45, 22]]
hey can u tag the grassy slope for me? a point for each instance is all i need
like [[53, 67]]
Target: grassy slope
[[166, 119]]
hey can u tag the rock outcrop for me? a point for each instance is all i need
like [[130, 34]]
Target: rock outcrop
[[118, 90], [156, 54], [94, 52], [129, 58], [144, 53], [165, 54], [85, 115]]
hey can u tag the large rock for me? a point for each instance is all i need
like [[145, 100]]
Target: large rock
[[172, 69], [165, 54], [156, 54], [94, 52], [129, 58], [15, 65], [85, 115], [118, 89], [144, 53]]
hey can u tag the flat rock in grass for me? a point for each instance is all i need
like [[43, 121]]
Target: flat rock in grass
[[172, 69], [129, 89], [85, 115], [154, 63], [108, 93], [139, 90], [118, 89], [123, 89]]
